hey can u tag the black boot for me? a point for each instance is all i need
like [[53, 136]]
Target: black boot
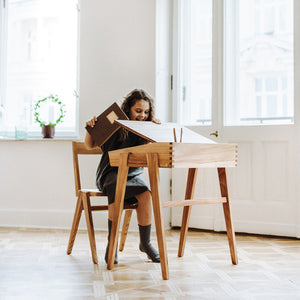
[[107, 247], [145, 244]]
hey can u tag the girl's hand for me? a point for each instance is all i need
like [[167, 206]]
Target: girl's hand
[[156, 121], [91, 122]]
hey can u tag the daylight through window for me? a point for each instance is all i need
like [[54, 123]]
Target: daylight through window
[[39, 40]]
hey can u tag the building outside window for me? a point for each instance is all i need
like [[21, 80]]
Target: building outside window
[[264, 62], [258, 78]]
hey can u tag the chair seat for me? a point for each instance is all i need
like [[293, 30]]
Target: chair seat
[[98, 193], [93, 192]]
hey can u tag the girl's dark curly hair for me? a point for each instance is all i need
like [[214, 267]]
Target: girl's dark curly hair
[[129, 101], [133, 97]]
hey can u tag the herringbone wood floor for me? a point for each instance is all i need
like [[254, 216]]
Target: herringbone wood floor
[[34, 265]]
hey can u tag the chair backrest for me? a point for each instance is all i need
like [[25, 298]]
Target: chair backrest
[[79, 148]]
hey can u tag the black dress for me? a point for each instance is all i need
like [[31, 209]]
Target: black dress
[[106, 176]]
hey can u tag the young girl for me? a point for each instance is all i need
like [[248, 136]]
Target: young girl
[[138, 106]]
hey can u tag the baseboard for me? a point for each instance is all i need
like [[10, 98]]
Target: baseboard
[[56, 219], [240, 226]]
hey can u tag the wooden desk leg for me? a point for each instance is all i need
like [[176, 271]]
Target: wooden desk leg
[[119, 204], [227, 215], [153, 170], [90, 226], [189, 194]]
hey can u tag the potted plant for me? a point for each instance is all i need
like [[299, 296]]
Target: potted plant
[[48, 128]]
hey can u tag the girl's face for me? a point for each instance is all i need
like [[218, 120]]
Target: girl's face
[[140, 110]]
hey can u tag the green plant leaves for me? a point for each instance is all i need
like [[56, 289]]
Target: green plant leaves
[[54, 99]]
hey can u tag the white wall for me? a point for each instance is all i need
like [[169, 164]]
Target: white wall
[[117, 54]]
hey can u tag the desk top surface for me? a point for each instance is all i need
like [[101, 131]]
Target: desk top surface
[[163, 132]]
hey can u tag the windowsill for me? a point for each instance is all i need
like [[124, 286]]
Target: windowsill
[[40, 139], [37, 136]]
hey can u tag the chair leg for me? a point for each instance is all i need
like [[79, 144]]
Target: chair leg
[[75, 224], [90, 225], [125, 227], [227, 215]]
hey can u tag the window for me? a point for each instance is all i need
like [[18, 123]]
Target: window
[[262, 64], [38, 54], [257, 42], [195, 62], [271, 100]]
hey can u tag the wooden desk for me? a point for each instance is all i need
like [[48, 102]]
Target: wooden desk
[[173, 155]]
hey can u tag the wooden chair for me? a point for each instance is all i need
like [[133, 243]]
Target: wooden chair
[[84, 203]]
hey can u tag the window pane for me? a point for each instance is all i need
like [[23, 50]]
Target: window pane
[[196, 62], [272, 106], [258, 106], [261, 69], [258, 85], [41, 59], [271, 84]]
